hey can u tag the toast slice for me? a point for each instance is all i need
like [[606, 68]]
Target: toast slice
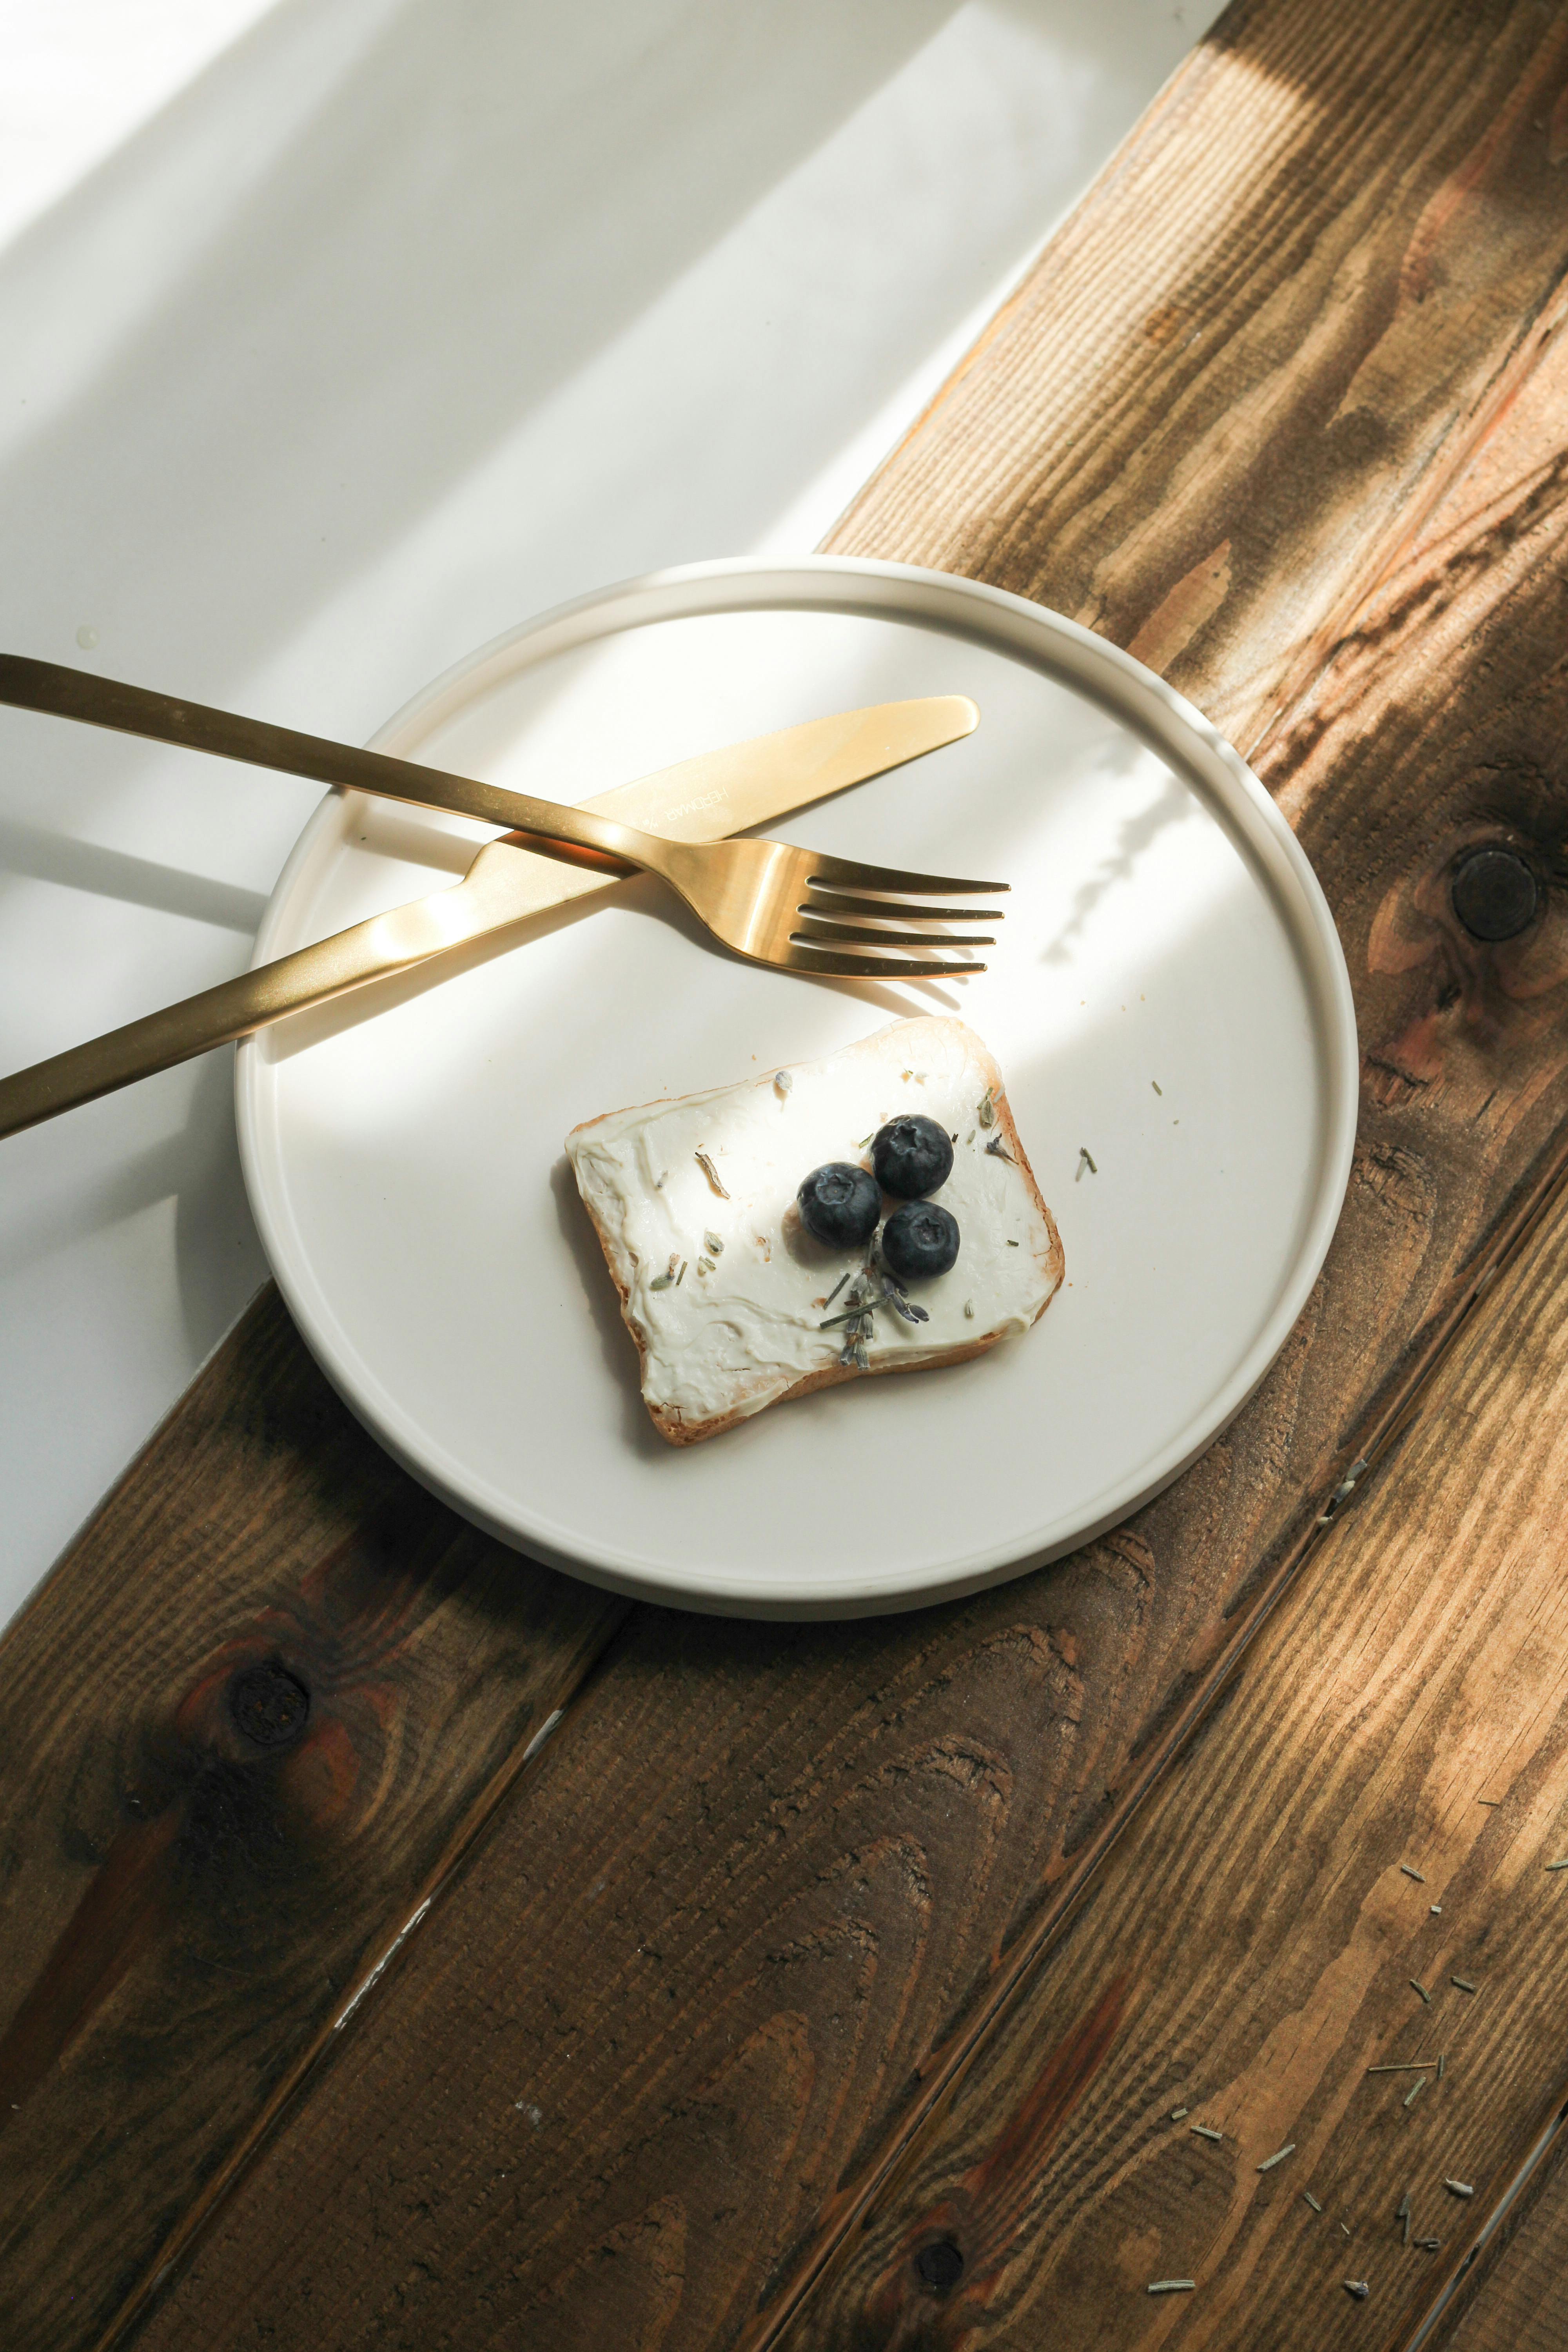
[[722, 1289]]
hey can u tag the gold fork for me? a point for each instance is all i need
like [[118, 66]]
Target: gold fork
[[789, 908], [702, 798]]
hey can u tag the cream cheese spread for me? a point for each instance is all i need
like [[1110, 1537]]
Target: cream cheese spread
[[727, 1293]]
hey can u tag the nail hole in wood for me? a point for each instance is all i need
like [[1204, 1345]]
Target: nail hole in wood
[[1494, 894], [267, 1704], [940, 2265]]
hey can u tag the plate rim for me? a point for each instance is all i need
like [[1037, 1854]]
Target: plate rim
[[1091, 664]]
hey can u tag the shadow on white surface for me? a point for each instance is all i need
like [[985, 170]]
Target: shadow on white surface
[[324, 284], [41, 854], [402, 319]]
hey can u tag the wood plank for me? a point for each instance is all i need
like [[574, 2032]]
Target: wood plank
[[1502, 528], [643, 2066], [251, 1724], [1350, 1869]]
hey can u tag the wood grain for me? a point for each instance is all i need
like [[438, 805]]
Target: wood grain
[[1318, 261], [648, 2062], [186, 1911], [1397, 1740]]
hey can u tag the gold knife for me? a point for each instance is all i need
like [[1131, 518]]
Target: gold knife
[[704, 799]]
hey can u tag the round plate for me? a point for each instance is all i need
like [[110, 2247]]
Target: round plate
[[1168, 997]]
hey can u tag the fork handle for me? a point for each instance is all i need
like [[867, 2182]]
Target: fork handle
[[576, 836]]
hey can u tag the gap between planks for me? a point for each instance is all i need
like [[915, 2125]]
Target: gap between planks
[[466, 1840]]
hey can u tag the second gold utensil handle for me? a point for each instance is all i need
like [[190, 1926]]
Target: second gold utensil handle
[[386, 943]]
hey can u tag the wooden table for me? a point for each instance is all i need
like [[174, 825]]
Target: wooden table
[[402, 1945]]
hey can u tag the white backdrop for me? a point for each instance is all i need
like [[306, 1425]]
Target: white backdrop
[[337, 336]]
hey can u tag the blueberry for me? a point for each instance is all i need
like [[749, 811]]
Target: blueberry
[[920, 1240], [911, 1157], [840, 1204]]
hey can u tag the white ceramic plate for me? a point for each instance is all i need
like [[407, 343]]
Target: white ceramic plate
[[1169, 993]]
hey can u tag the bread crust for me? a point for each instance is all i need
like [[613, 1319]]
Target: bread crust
[[676, 1430]]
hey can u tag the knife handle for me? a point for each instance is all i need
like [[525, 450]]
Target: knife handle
[[368, 950]]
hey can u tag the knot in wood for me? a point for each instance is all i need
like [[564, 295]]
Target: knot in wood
[[940, 2265], [267, 1704], [1494, 894]]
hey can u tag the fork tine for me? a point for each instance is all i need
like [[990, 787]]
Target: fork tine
[[890, 909], [853, 935], [842, 874], [867, 967], [896, 910]]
